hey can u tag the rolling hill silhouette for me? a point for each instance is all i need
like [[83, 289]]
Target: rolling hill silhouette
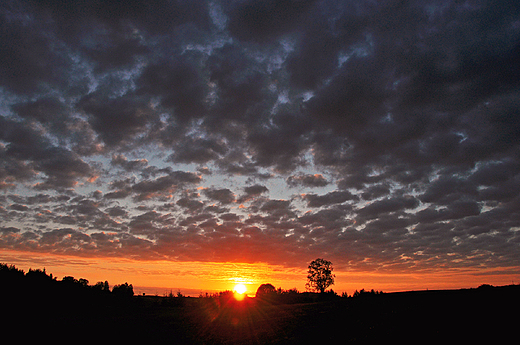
[[36, 306]]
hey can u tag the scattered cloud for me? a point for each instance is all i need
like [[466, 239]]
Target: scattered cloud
[[316, 180]]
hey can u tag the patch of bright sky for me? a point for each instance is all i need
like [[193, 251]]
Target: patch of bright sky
[[217, 16], [207, 49], [273, 58], [307, 95], [359, 50]]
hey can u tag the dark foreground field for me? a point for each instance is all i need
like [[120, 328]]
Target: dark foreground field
[[488, 314]]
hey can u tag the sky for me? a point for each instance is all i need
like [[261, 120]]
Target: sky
[[195, 144]]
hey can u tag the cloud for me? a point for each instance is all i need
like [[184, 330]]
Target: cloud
[[63, 168], [48, 111], [178, 85], [263, 21], [116, 120], [255, 190], [18, 207], [190, 204], [10, 229], [252, 192], [165, 184], [224, 195], [121, 160], [28, 59], [118, 194], [316, 180], [198, 151], [335, 197], [116, 211], [387, 205]]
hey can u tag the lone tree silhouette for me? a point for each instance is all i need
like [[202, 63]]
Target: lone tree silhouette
[[266, 293], [320, 275], [265, 290]]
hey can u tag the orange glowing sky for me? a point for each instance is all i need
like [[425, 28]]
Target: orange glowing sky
[[193, 278]]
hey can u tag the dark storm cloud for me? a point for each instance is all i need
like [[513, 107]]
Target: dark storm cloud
[[241, 88], [111, 113], [178, 85], [375, 191], [62, 167], [173, 13], [105, 32], [50, 112], [264, 21], [119, 119], [29, 59]]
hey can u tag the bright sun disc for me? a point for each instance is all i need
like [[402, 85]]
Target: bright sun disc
[[240, 288]]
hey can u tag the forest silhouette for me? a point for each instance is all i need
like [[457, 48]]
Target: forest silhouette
[[38, 306]]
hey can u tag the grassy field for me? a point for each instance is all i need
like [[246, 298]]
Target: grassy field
[[483, 314]]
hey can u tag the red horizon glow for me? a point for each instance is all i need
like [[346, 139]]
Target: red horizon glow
[[195, 278]]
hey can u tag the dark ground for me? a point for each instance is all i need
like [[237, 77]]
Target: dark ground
[[486, 314]]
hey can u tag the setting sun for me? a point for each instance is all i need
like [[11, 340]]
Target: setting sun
[[240, 288]]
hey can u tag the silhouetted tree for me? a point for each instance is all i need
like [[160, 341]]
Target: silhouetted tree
[[266, 293], [11, 279], [123, 290], [362, 292], [83, 282], [10, 271], [320, 275], [10, 274], [105, 287], [38, 275], [69, 280], [265, 289]]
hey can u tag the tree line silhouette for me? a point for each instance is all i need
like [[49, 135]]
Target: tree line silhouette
[[37, 281]]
